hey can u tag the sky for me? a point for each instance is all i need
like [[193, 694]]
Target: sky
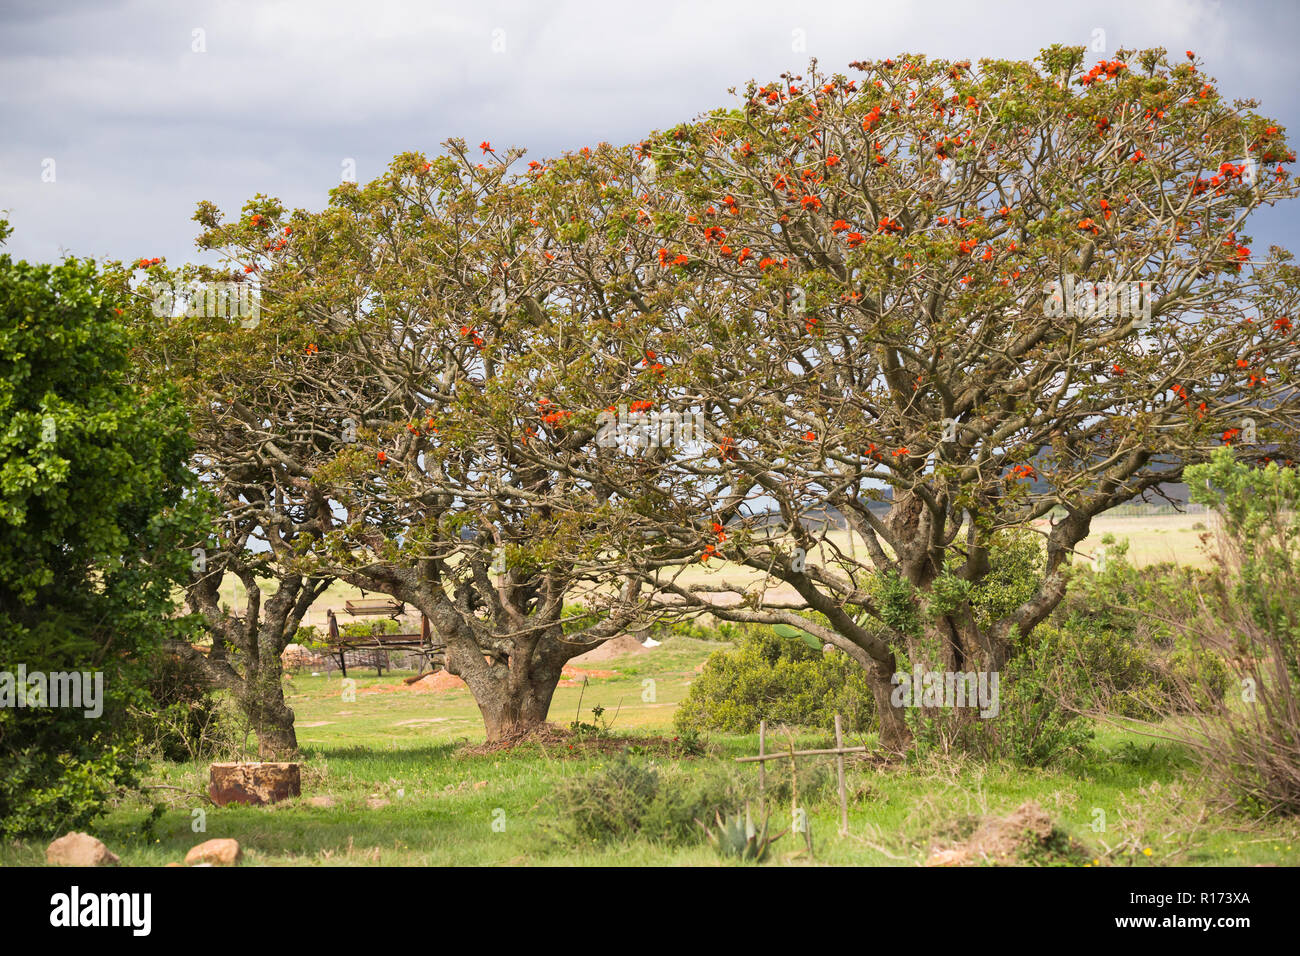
[[117, 118]]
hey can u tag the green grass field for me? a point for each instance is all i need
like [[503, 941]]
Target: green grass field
[[389, 779]]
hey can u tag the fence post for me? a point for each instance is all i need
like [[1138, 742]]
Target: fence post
[[839, 770]]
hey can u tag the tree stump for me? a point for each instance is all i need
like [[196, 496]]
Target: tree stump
[[253, 783]]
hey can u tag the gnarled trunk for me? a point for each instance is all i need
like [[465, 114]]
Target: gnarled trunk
[[894, 733], [514, 711], [272, 720], [514, 697]]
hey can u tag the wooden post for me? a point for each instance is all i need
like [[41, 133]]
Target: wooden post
[[334, 637], [762, 764], [839, 770]]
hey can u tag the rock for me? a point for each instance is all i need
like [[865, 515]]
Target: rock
[[79, 849], [254, 783], [295, 655], [946, 858], [219, 852]]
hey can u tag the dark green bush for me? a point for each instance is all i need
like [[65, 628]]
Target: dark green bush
[[96, 527], [180, 718]]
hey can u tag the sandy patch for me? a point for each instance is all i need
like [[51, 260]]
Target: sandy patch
[[614, 647]]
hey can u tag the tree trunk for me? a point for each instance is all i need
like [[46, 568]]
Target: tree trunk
[[277, 742], [507, 714], [894, 733], [271, 718], [513, 699]]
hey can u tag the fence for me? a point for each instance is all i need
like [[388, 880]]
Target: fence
[[838, 751]]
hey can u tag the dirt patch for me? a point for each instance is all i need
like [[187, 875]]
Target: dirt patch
[[1025, 835], [573, 675], [433, 683], [442, 681], [619, 646]]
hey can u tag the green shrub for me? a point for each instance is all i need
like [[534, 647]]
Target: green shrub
[[1248, 744], [628, 799], [1124, 641], [1037, 721], [780, 680], [181, 718], [96, 526]]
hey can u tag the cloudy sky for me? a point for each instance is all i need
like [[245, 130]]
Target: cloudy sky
[[138, 110]]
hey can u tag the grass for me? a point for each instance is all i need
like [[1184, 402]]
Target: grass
[[404, 788]]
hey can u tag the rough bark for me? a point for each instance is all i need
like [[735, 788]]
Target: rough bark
[[254, 674]]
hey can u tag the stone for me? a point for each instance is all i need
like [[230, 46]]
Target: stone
[[946, 858], [79, 849], [253, 783], [218, 852]]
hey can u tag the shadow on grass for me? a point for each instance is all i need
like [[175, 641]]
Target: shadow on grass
[[392, 756]]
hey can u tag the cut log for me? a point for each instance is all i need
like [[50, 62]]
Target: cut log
[[253, 783]]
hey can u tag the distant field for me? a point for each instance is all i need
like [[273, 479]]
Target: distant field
[[1152, 539]]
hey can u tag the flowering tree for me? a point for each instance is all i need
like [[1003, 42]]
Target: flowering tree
[[942, 301], [448, 396], [200, 331]]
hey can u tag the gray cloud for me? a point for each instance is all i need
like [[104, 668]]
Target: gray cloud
[[141, 127]]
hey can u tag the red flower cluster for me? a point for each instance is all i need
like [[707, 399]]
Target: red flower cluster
[[1103, 71]]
